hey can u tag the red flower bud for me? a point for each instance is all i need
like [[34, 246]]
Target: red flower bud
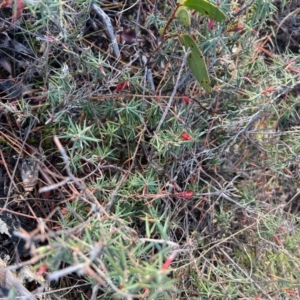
[[42, 270], [211, 24], [186, 99], [186, 136], [122, 86]]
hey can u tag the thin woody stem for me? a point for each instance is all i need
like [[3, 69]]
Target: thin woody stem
[[164, 38], [173, 16]]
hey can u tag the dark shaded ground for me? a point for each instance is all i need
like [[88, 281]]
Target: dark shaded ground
[[286, 24]]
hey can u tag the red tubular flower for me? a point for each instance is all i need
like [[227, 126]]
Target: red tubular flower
[[186, 136]]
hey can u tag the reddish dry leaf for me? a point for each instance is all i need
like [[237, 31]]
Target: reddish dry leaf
[[268, 90], [237, 28], [277, 240], [5, 65], [158, 97], [7, 3], [64, 212], [17, 6], [58, 227], [186, 195], [291, 61], [282, 229], [146, 291], [292, 291], [17, 10]]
